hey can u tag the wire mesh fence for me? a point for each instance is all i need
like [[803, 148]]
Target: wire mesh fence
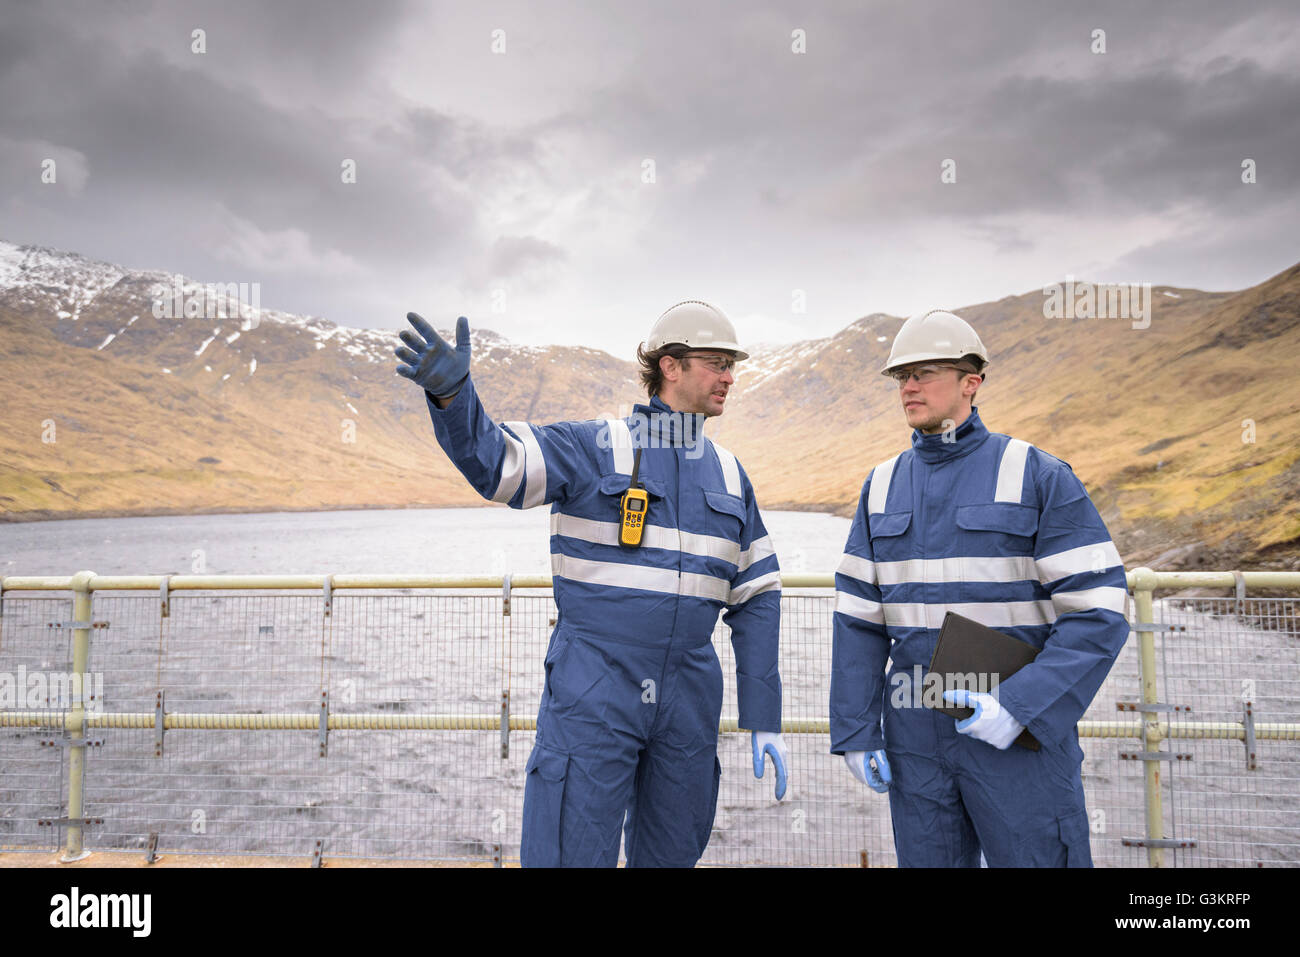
[[1232, 662], [31, 773], [367, 724]]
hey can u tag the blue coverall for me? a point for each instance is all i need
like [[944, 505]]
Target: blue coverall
[[999, 531], [628, 723]]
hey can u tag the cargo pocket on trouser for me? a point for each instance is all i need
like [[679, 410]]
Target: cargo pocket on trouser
[[702, 838], [1077, 840], [1063, 842], [543, 808]]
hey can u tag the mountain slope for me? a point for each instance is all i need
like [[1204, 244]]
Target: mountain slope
[[1181, 430]]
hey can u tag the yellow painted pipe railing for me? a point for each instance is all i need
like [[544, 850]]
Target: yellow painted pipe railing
[[1138, 579], [1150, 728], [302, 721]]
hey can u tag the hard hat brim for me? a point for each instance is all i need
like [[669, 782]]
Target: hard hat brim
[[922, 357]]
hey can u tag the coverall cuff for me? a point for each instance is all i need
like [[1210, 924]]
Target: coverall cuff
[[863, 741], [1046, 732], [759, 706], [457, 403]]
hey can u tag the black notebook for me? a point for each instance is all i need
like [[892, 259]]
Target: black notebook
[[966, 647]]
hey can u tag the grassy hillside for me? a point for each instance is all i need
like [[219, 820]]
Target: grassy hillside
[[1182, 431]]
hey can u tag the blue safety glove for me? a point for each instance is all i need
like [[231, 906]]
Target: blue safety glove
[[871, 768], [431, 362], [771, 743], [991, 723]]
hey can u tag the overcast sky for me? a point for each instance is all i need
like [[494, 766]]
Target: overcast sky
[[512, 186]]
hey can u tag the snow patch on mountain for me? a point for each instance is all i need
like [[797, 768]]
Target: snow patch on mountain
[[63, 283]]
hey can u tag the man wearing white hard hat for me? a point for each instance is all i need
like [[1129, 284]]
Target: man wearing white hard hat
[[996, 530], [654, 531]]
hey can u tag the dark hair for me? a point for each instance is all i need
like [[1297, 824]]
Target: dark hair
[[972, 361], [652, 377]]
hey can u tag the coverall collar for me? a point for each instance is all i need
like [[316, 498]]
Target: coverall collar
[[943, 446], [665, 426]]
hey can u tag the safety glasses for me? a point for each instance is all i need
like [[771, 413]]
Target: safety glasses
[[719, 364], [924, 374]]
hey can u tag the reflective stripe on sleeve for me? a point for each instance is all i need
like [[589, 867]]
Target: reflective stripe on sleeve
[[758, 550], [1076, 561], [860, 608], [755, 586], [856, 567], [535, 466], [1109, 597], [512, 469]]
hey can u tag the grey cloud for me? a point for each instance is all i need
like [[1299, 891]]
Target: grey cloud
[[178, 152], [883, 95], [1138, 144], [511, 255], [1261, 239], [769, 163], [190, 143], [26, 161], [470, 150]]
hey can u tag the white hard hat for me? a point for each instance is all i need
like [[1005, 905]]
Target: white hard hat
[[695, 324], [934, 335]]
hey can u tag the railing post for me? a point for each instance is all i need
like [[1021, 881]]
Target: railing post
[[1144, 584], [75, 721]]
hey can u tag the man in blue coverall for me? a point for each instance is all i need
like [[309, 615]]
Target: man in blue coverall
[[994, 529], [627, 731]]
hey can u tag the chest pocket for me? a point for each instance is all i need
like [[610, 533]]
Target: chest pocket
[[889, 535], [612, 487], [726, 514], [1007, 527]]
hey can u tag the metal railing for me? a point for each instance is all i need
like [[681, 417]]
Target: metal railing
[[403, 710]]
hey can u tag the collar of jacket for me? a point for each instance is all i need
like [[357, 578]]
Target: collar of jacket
[[943, 446], [660, 426]]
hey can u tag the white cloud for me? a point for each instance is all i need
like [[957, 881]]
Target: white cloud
[[278, 251]]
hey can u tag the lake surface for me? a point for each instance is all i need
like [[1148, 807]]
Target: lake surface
[[374, 541]]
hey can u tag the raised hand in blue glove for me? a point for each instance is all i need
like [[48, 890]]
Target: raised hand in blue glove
[[991, 723], [430, 362], [871, 768], [771, 743]]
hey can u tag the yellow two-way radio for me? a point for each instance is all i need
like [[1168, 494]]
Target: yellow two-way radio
[[634, 505]]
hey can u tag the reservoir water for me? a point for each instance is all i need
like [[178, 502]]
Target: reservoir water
[[376, 541]]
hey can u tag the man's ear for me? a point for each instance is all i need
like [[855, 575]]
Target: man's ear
[[670, 367]]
